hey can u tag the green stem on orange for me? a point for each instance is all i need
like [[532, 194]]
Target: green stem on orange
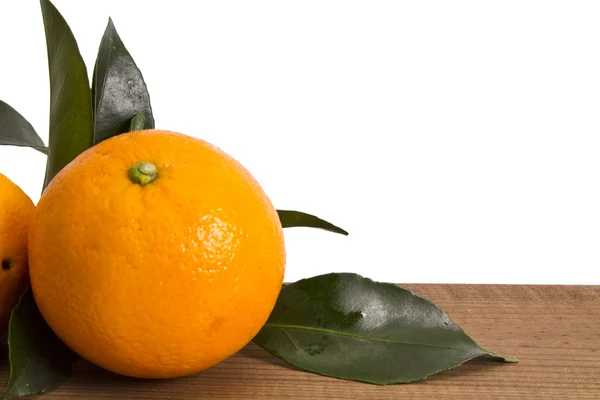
[[143, 173]]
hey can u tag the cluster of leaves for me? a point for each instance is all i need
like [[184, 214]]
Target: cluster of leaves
[[339, 325]]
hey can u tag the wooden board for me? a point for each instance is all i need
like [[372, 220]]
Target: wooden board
[[553, 330]]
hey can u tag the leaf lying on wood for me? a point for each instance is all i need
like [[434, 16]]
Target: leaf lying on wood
[[350, 327]]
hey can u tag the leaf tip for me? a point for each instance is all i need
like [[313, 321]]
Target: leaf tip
[[47, 3], [505, 359]]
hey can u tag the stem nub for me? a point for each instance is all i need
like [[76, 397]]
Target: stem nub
[[143, 173]]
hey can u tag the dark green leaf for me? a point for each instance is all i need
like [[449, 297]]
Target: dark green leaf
[[350, 327], [290, 219], [70, 97], [15, 130], [119, 89], [39, 361], [137, 122]]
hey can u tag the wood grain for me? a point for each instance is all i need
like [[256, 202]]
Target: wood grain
[[553, 330]]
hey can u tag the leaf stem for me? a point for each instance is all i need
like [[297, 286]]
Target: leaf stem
[[137, 122]]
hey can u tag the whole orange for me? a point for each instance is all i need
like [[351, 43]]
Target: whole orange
[[155, 255], [16, 211]]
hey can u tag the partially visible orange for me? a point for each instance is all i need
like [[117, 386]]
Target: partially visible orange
[[162, 279], [16, 211]]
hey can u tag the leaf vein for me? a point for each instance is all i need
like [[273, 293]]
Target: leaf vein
[[352, 335]]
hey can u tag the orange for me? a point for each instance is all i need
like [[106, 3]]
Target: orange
[[155, 255], [16, 211]]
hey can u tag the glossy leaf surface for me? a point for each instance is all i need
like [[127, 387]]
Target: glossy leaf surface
[[119, 89], [350, 327]]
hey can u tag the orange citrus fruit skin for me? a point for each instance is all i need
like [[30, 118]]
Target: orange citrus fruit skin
[[161, 280], [16, 211]]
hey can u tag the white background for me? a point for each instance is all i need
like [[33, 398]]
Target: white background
[[456, 141]]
